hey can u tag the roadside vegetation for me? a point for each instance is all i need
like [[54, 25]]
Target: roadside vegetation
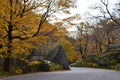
[[108, 60], [27, 36]]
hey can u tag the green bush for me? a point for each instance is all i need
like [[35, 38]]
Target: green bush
[[23, 67], [116, 67], [54, 66], [112, 62], [81, 63], [3, 74], [93, 65]]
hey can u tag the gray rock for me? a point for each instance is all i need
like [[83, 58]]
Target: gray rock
[[111, 47], [114, 46], [36, 55], [58, 56]]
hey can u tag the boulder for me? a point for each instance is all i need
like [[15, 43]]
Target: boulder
[[57, 55], [111, 56]]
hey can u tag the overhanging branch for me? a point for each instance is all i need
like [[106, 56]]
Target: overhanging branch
[[106, 6]]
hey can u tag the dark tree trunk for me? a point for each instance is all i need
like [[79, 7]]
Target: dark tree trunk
[[100, 49], [109, 42], [7, 64], [9, 46], [96, 46], [7, 58], [81, 51], [9, 52]]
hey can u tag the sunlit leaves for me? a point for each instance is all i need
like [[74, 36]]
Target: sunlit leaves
[[33, 63], [69, 49]]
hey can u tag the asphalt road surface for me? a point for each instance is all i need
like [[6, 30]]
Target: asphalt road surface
[[73, 74]]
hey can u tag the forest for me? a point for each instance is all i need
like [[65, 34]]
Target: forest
[[30, 27]]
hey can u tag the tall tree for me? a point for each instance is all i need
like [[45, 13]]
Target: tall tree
[[84, 30], [18, 22]]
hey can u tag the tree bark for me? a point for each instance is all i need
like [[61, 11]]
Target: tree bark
[[9, 46], [9, 52], [7, 64]]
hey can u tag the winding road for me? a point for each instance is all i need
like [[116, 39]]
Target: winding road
[[73, 74]]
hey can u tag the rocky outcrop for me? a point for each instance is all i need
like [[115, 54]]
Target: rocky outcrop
[[111, 56], [58, 56], [112, 46]]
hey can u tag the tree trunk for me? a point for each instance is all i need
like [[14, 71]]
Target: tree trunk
[[9, 45], [96, 46], [100, 49], [7, 57], [9, 51], [7, 64]]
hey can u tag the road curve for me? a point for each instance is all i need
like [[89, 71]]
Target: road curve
[[73, 74]]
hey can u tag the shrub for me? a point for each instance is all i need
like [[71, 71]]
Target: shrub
[[112, 62], [3, 74], [34, 66], [18, 71], [81, 63], [54, 66], [116, 67], [94, 65], [32, 63]]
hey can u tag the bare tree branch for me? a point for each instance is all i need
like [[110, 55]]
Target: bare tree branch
[[106, 6], [43, 19]]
